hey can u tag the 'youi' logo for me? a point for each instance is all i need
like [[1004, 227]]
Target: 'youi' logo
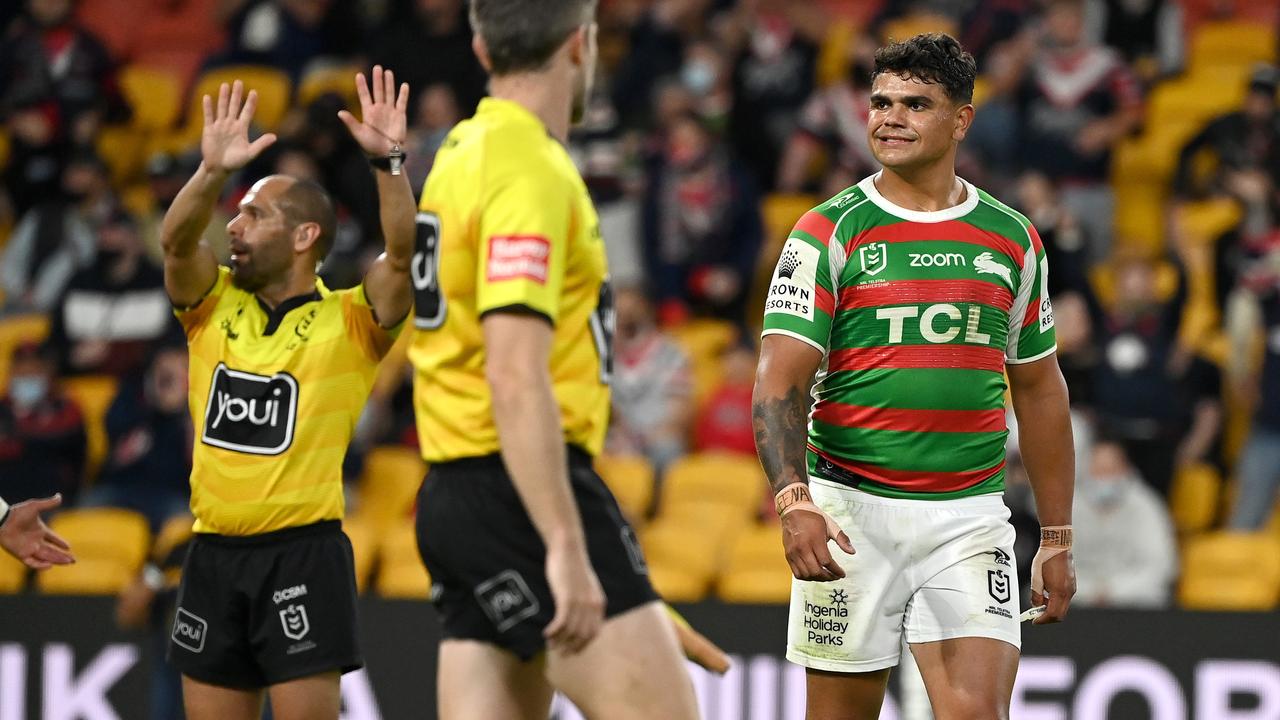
[[250, 413]]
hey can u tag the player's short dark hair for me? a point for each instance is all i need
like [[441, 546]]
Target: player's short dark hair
[[522, 35], [305, 201], [931, 58]]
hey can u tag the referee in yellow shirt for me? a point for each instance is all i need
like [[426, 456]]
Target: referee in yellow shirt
[[539, 581], [280, 370]]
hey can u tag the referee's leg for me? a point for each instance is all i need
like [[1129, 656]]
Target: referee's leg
[[633, 669], [203, 701], [480, 680]]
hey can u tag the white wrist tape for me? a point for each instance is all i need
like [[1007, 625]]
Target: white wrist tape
[[1054, 540], [796, 497]]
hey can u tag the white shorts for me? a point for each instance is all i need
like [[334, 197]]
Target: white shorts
[[934, 569]]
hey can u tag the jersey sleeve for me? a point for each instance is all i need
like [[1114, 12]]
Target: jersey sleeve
[[195, 317], [524, 230], [802, 291], [1031, 332], [362, 326]]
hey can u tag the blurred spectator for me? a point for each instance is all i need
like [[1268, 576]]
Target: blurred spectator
[[1076, 101], [651, 385], [1064, 239], [773, 76], [42, 438], [833, 124], [707, 76], [291, 35], [148, 464], [1148, 33], [1255, 307], [982, 24], [1156, 398], [166, 174], [115, 310], [724, 422], [701, 227], [658, 43], [57, 87], [437, 113], [1125, 552], [1244, 145], [429, 45]]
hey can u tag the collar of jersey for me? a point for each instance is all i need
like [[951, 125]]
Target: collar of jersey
[[275, 317], [954, 212], [509, 109]]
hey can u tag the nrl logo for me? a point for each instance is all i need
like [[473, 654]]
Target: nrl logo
[[874, 257]]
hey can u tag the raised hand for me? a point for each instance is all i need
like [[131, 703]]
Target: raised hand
[[383, 113], [224, 144]]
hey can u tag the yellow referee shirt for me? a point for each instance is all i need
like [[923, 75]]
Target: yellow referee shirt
[[505, 223], [274, 399]]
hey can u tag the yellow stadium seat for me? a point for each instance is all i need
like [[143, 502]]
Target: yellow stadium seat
[[1230, 43], [1231, 571], [274, 91], [1204, 222], [390, 482], [401, 573], [630, 478], [704, 339], [13, 574], [732, 480], [363, 534], [124, 150], [677, 583], [833, 53], [88, 576], [15, 331], [756, 570], [340, 81], [93, 393], [154, 94], [1194, 497], [780, 212]]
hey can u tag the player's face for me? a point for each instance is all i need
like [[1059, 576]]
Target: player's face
[[913, 124], [261, 248], [586, 74]]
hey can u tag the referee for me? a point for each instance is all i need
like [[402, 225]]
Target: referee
[[539, 581], [280, 370]]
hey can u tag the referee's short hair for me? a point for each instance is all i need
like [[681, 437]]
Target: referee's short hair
[[305, 201], [522, 35]]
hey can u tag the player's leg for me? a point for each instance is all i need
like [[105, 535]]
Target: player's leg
[[968, 678], [203, 701], [845, 696], [632, 669], [317, 697], [480, 680]]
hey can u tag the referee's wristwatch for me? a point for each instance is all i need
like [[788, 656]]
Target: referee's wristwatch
[[392, 162]]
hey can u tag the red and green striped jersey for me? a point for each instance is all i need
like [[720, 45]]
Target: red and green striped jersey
[[916, 314]]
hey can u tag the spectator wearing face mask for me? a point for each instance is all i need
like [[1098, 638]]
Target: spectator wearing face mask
[[42, 438], [1125, 551], [149, 431]]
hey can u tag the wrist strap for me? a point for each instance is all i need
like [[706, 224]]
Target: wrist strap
[[1056, 536], [4, 511], [392, 162]]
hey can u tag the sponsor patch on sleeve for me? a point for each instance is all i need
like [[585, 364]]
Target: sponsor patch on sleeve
[[514, 257], [792, 290]]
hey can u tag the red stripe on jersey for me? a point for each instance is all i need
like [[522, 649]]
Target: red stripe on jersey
[[1032, 315], [914, 481], [904, 420], [942, 355], [901, 292], [1036, 243], [817, 225], [825, 302], [949, 230]]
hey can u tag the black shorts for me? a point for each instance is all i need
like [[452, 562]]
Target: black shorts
[[488, 563], [265, 609]]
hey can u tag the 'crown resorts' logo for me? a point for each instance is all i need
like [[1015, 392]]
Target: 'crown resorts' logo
[[787, 266]]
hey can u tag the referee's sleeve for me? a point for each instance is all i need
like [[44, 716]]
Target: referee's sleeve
[[194, 317], [524, 229]]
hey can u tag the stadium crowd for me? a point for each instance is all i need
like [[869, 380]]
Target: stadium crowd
[[1147, 157]]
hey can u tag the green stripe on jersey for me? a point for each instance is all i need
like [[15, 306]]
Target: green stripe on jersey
[[922, 452], [919, 389]]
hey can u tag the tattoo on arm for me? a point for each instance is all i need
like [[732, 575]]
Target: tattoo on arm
[[781, 430]]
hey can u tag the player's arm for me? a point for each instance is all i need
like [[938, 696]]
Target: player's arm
[[382, 127], [24, 535], [518, 352], [190, 267]]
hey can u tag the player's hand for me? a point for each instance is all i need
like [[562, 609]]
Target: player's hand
[[383, 114], [25, 536], [224, 144], [578, 597], [804, 538], [1059, 587]]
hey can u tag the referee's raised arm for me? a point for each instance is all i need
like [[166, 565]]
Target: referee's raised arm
[[190, 267], [380, 132]]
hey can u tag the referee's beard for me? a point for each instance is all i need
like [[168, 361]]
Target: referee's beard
[[258, 267]]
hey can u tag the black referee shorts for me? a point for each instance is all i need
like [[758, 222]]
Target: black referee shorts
[[265, 609], [487, 561]]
